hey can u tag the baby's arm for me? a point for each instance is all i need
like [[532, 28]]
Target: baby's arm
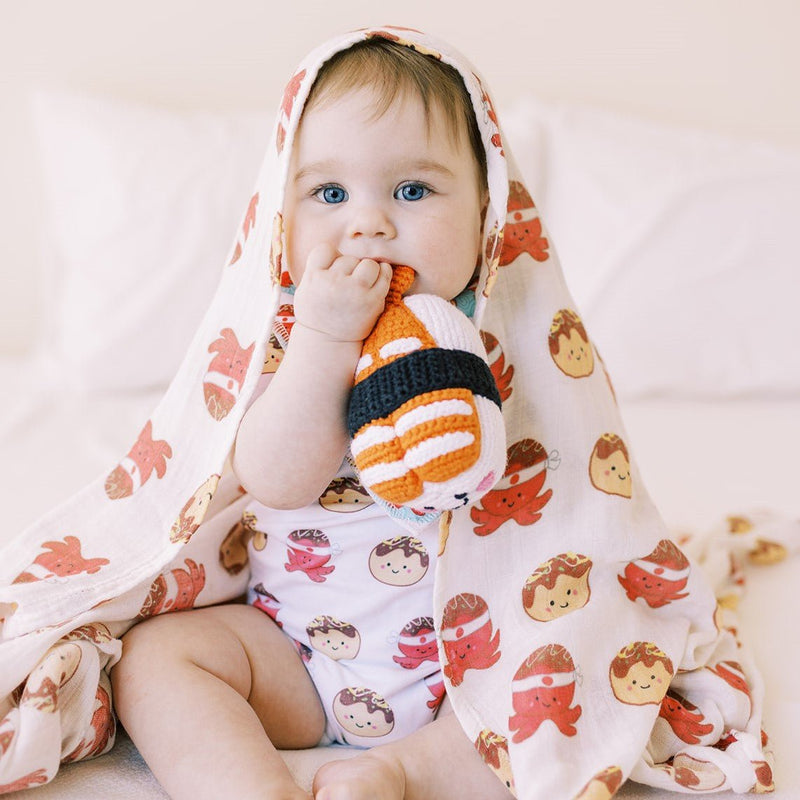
[[293, 438]]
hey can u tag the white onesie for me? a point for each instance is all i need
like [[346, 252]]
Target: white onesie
[[354, 590]]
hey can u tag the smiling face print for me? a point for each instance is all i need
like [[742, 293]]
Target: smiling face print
[[610, 466], [336, 639], [557, 587], [401, 561], [640, 674], [569, 345], [363, 712], [345, 495]]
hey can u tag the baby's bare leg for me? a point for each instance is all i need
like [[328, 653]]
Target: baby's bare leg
[[437, 762], [207, 696]]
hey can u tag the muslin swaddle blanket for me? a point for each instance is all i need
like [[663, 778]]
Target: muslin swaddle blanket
[[580, 645]]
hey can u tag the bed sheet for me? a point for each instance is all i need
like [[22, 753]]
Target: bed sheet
[[700, 461]]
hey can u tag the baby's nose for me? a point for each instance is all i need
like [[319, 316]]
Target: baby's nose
[[371, 221]]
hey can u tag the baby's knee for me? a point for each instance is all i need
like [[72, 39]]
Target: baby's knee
[[147, 648]]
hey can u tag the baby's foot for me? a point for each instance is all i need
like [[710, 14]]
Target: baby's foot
[[366, 777]]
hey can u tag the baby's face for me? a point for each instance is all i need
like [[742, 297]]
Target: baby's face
[[392, 189]]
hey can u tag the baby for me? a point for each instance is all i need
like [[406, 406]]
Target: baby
[[387, 168]]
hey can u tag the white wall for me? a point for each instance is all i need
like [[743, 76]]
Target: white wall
[[724, 65]]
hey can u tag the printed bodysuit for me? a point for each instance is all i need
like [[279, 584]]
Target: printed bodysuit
[[354, 590]]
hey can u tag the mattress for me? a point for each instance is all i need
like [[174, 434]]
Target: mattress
[[701, 460]]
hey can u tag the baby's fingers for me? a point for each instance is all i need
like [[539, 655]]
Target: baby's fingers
[[367, 272], [321, 257], [385, 277]]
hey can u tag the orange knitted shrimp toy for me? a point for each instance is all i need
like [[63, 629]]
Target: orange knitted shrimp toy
[[424, 412]]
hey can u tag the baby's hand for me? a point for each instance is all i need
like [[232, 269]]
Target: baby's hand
[[341, 296]]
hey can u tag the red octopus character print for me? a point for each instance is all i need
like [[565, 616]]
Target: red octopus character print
[[522, 232], [309, 552], [610, 466], [640, 674], [223, 380], [765, 784], [193, 512], [691, 773], [602, 786], [732, 673], [417, 643], [363, 712], [659, 578], [267, 602], [176, 590], [569, 345], [518, 495], [35, 778], [284, 322], [497, 364], [435, 684], [60, 559], [336, 639], [51, 674], [147, 455], [289, 96], [489, 116], [493, 749], [468, 637], [557, 587], [103, 726], [543, 689], [686, 721], [726, 740], [400, 561], [345, 496], [247, 226]]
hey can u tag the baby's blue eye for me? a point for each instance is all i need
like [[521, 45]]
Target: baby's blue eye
[[412, 191], [331, 194]]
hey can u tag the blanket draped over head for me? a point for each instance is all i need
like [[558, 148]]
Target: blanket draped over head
[[579, 644]]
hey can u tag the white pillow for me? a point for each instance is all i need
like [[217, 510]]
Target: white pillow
[[144, 205], [680, 248]]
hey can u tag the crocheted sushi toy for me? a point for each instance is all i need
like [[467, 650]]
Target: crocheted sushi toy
[[424, 414]]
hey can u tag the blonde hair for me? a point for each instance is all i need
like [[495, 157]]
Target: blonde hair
[[396, 71]]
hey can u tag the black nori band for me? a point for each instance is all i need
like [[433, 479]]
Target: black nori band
[[414, 374]]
